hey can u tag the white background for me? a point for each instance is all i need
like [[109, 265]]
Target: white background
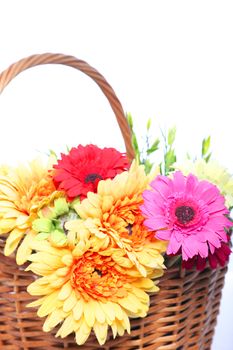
[[171, 61]]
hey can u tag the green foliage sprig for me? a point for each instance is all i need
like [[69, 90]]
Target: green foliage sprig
[[149, 147], [205, 151]]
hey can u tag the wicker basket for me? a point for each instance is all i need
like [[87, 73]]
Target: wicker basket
[[181, 316]]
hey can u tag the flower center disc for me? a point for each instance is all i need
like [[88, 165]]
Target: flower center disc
[[184, 214], [92, 178]]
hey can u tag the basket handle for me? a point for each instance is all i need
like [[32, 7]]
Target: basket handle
[[48, 58]]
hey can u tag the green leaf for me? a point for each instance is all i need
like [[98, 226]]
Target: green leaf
[[170, 159], [68, 149], [171, 136], [47, 212], [130, 120], [42, 225], [148, 166], [148, 125], [154, 147], [52, 153], [205, 146], [135, 143], [61, 206], [207, 158], [161, 168]]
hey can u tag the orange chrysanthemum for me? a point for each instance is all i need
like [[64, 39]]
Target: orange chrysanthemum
[[113, 216], [86, 290], [23, 191]]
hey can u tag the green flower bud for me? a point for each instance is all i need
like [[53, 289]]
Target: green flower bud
[[61, 206], [42, 225]]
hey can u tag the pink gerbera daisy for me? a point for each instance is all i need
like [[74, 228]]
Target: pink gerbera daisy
[[188, 213]]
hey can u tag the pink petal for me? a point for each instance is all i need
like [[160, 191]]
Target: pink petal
[[191, 184], [173, 246], [213, 238], [210, 195], [164, 235], [203, 250], [212, 248], [162, 186], [155, 223], [179, 181], [189, 248]]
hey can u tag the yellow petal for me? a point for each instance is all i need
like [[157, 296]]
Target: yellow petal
[[126, 323], [46, 247], [65, 291], [63, 271], [107, 203], [82, 334], [8, 192], [56, 317], [67, 259], [13, 241], [101, 332], [114, 329], [108, 309], [78, 310], [70, 302], [99, 313], [35, 289], [39, 269], [120, 328], [130, 303], [118, 311], [89, 314], [24, 249], [140, 294], [6, 225], [52, 261], [67, 327], [21, 220], [94, 199], [50, 304], [144, 283]]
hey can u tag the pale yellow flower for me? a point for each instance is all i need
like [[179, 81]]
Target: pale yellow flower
[[85, 289], [213, 172], [113, 218], [23, 191]]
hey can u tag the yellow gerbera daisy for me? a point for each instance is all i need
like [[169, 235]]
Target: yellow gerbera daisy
[[23, 191], [87, 290], [212, 172], [113, 217]]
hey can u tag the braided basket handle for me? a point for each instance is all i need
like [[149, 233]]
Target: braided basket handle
[[48, 58]]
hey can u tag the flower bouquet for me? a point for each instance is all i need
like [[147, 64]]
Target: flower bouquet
[[132, 252]]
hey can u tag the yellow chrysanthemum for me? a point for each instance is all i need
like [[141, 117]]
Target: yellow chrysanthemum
[[113, 217], [212, 172], [83, 289], [4, 170], [23, 191]]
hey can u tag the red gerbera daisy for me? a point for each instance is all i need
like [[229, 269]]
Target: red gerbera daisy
[[219, 257], [80, 171]]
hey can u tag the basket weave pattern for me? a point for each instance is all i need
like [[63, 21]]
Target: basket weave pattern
[[181, 316]]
